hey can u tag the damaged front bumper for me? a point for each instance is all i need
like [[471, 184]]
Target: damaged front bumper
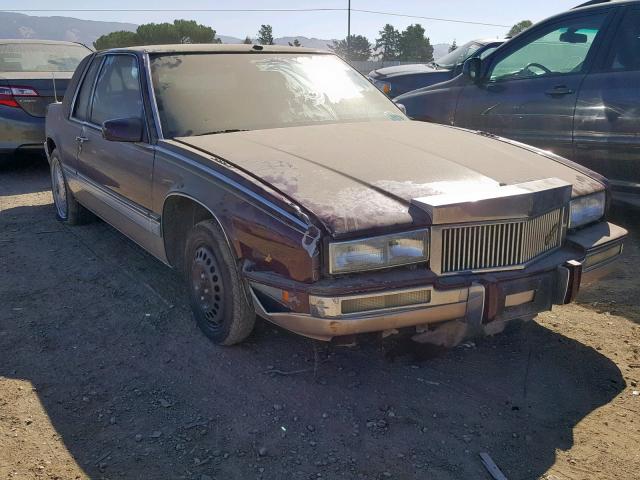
[[471, 305]]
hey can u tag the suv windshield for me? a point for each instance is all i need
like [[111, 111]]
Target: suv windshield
[[458, 56], [40, 57], [206, 93]]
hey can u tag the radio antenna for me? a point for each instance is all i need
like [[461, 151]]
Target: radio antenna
[[55, 91]]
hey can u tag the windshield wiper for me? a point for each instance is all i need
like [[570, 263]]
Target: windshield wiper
[[216, 132]]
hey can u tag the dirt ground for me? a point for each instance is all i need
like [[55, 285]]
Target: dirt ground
[[103, 374]]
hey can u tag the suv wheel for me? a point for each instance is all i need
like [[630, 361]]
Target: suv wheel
[[68, 210], [218, 296]]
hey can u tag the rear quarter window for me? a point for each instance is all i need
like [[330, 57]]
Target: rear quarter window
[[81, 107]]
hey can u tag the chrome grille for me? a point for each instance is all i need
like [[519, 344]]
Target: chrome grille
[[500, 245]]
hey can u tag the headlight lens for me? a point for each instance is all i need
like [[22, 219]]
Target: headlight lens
[[379, 252], [587, 209]]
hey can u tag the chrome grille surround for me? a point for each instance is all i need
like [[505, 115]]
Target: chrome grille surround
[[497, 245]]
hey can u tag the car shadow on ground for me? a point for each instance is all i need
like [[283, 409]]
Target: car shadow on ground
[[104, 334]]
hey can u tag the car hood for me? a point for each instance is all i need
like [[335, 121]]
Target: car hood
[[362, 176], [416, 68]]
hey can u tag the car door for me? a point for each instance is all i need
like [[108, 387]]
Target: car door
[[530, 87], [607, 123], [118, 175]]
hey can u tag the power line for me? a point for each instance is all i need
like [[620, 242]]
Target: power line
[[430, 18], [247, 10]]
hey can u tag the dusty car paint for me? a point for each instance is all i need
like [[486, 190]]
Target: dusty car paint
[[281, 195], [342, 173]]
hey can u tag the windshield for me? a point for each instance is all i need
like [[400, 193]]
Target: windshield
[[40, 57], [206, 93], [459, 55]]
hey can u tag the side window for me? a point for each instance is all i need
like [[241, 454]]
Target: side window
[[559, 49], [81, 107], [117, 93], [625, 50]]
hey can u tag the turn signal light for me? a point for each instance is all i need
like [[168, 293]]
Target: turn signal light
[[8, 95]]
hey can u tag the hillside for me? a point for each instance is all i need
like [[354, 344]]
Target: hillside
[[18, 25]]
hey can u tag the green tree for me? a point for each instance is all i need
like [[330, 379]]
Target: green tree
[[191, 32], [248, 40], [180, 31], [453, 47], [519, 28], [414, 46], [356, 48], [265, 35], [295, 43], [388, 43], [117, 39]]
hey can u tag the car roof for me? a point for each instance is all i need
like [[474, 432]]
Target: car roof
[[5, 41], [486, 41], [594, 4], [600, 3], [218, 48]]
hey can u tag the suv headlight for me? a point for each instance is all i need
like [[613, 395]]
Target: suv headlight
[[587, 209], [379, 252]]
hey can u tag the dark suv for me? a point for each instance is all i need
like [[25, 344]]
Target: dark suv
[[570, 84], [395, 81]]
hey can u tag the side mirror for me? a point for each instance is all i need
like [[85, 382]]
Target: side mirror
[[472, 69], [122, 130]]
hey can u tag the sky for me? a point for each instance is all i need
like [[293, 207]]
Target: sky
[[317, 24]]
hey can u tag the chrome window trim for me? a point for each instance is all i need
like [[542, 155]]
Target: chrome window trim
[[152, 96], [234, 187]]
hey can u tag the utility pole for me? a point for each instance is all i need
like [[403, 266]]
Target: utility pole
[[349, 29]]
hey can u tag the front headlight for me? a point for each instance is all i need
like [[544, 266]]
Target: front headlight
[[379, 252], [587, 209]]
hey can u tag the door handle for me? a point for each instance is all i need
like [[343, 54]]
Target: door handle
[[82, 139], [558, 90]]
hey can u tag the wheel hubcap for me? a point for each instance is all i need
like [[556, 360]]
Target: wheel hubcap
[[59, 190], [207, 285]]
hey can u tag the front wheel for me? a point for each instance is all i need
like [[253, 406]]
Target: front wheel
[[217, 294]]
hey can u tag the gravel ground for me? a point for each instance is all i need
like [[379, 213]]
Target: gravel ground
[[103, 374]]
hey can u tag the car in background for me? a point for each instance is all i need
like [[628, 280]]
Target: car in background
[[314, 202], [570, 85], [400, 79], [33, 74]]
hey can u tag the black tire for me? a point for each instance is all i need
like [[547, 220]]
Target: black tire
[[218, 296], [67, 209]]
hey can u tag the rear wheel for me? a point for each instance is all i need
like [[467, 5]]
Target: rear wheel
[[218, 296], [68, 210]]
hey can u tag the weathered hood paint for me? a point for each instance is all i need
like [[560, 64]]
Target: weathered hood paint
[[361, 176]]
